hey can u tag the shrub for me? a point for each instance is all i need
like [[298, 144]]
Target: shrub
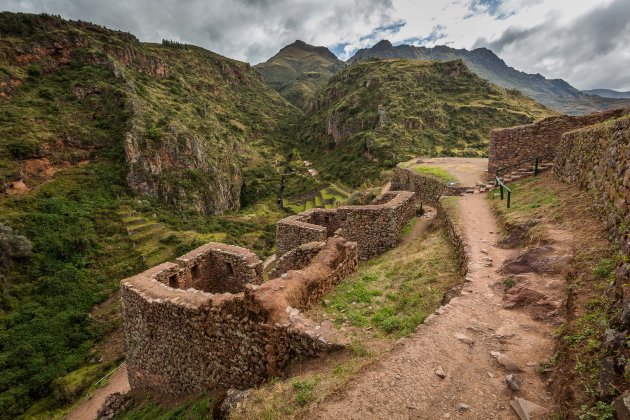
[[22, 148], [34, 70], [12, 245]]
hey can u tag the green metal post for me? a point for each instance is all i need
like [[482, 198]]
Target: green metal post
[[501, 190], [536, 167], [508, 199]]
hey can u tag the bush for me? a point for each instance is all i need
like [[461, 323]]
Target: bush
[[34, 70], [12, 245], [22, 149]]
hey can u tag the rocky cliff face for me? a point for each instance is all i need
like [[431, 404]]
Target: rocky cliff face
[[192, 121]]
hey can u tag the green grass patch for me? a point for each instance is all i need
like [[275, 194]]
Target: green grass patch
[[437, 172], [395, 292], [193, 409]]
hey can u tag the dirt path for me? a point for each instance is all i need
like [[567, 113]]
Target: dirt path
[[468, 171], [404, 384], [118, 382]]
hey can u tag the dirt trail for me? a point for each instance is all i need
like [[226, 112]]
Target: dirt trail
[[404, 384], [88, 409]]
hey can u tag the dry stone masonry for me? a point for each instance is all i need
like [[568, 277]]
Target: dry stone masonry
[[375, 228], [181, 340], [428, 189], [510, 146], [598, 159]]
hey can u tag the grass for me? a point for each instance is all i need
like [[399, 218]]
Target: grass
[[531, 198], [192, 409], [579, 347], [395, 292], [435, 171]]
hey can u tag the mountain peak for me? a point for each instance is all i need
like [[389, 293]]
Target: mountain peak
[[303, 46], [383, 43]]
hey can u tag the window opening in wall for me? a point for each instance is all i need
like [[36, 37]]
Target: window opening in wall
[[196, 272], [172, 280], [229, 269]]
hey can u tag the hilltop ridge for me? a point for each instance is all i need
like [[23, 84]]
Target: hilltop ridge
[[376, 113], [299, 70], [553, 93]]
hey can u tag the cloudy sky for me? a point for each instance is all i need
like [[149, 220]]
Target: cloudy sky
[[586, 42]]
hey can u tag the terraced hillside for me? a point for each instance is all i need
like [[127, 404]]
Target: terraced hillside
[[332, 196], [377, 113]]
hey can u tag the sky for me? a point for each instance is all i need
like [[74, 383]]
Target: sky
[[585, 42]]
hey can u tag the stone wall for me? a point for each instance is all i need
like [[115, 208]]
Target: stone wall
[[448, 213], [508, 146], [215, 268], [427, 188], [296, 259], [181, 342], [375, 227], [598, 159]]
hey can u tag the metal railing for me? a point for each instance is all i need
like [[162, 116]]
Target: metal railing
[[535, 159], [502, 186]]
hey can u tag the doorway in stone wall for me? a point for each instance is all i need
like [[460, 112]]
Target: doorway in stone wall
[[172, 281], [195, 272]]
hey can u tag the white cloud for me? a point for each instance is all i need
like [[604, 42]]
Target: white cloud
[[545, 36]]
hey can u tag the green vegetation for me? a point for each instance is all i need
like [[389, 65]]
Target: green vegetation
[[435, 171], [329, 197], [304, 391], [80, 252], [299, 71], [395, 292], [193, 409], [221, 137], [531, 198], [386, 299], [553, 93], [377, 113]]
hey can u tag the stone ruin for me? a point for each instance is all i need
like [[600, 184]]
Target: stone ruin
[[209, 321], [510, 146], [375, 228]]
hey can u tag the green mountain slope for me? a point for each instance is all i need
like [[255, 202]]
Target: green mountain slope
[[115, 155], [377, 113], [299, 70], [553, 93], [192, 123]]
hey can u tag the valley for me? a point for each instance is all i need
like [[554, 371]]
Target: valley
[[306, 237]]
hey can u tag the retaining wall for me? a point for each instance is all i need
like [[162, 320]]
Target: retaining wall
[[448, 213], [427, 188], [598, 159], [508, 146], [181, 342], [375, 227]]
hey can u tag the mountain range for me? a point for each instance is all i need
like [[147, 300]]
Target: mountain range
[[609, 93], [556, 94]]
